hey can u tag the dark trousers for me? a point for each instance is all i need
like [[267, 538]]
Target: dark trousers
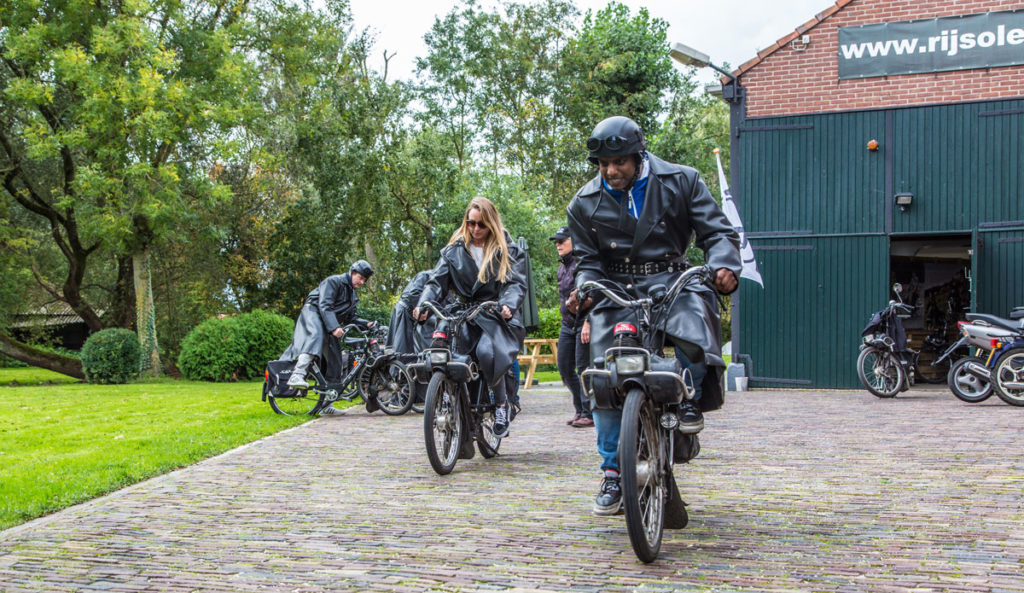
[[572, 359]]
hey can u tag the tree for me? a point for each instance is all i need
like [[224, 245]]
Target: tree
[[122, 108]]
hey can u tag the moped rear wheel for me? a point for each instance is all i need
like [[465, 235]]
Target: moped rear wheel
[[1009, 377], [965, 386], [926, 373], [880, 372], [644, 481], [297, 402], [442, 424], [487, 442], [392, 385]]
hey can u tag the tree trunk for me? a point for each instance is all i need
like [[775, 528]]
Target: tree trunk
[[149, 361], [64, 365], [122, 307]]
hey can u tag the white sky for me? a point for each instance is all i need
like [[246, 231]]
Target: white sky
[[730, 31]]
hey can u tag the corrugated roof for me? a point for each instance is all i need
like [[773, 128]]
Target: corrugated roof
[[50, 314]]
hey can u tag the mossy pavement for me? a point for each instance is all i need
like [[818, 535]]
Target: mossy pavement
[[794, 491]]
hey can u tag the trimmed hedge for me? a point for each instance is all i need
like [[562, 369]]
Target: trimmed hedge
[[111, 356], [234, 348], [550, 323]]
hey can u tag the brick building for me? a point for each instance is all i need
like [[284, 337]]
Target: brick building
[[881, 141]]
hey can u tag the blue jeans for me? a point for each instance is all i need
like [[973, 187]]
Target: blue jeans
[[607, 423]]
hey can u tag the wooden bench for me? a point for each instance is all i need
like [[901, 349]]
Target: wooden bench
[[534, 356]]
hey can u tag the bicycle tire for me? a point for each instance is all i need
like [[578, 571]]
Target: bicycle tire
[[879, 372], [965, 386], [442, 424], [925, 372], [305, 402], [644, 486], [1008, 377], [391, 384]]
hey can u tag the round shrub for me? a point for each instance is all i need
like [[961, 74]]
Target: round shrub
[[264, 337], [234, 348], [111, 356]]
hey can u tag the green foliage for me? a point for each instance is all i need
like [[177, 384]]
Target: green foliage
[[234, 348], [550, 323], [116, 436], [111, 356], [618, 64], [378, 314]]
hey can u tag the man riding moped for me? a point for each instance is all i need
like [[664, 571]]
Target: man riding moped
[[632, 224]]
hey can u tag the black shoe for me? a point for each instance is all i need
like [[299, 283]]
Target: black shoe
[[372, 405], [467, 450], [691, 420], [684, 447], [609, 500]]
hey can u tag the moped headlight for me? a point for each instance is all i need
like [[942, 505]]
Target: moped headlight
[[438, 357], [631, 364]]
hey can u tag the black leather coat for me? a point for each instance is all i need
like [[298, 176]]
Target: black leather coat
[[493, 341], [677, 208], [404, 334]]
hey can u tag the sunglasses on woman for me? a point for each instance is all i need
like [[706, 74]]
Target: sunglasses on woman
[[474, 223]]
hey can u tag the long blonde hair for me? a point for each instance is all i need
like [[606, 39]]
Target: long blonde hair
[[495, 246]]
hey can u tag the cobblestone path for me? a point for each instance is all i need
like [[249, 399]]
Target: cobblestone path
[[794, 491]]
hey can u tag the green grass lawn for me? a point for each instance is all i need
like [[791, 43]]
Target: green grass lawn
[[61, 445], [33, 376]]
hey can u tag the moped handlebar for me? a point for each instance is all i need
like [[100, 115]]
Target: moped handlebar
[[701, 272], [476, 310]]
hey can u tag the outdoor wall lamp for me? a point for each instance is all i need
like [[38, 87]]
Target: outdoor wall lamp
[[872, 145], [688, 56], [904, 201]]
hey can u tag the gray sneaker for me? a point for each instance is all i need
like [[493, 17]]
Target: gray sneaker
[[501, 421], [332, 411], [298, 382]]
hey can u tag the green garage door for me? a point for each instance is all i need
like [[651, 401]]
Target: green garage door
[[998, 270], [804, 328]]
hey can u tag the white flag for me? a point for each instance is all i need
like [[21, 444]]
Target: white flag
[[729, 206]]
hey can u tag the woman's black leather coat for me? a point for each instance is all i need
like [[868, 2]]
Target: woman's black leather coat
[[494, 341], [677, 207]]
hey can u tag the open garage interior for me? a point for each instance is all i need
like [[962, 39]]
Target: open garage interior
[[935, 273]]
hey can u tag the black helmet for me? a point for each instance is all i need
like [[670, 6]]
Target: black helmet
[[363, 268], [615, 136]]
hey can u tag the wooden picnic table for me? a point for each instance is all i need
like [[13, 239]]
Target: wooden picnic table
[[533, 357]]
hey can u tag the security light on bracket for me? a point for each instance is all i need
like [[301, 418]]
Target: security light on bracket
[[904, 201]]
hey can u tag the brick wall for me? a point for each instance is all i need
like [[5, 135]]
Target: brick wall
[[785, 81]]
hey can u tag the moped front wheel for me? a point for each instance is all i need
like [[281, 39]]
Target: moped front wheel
[[442, 423], [965, 386], [879, 372], [1008, 377], [644, 481]]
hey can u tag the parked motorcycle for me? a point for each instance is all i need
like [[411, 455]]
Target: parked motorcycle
[[885, 365], [987, 336], [1008, 369]]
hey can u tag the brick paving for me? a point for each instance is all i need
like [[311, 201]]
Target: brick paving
[[794, 491]]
